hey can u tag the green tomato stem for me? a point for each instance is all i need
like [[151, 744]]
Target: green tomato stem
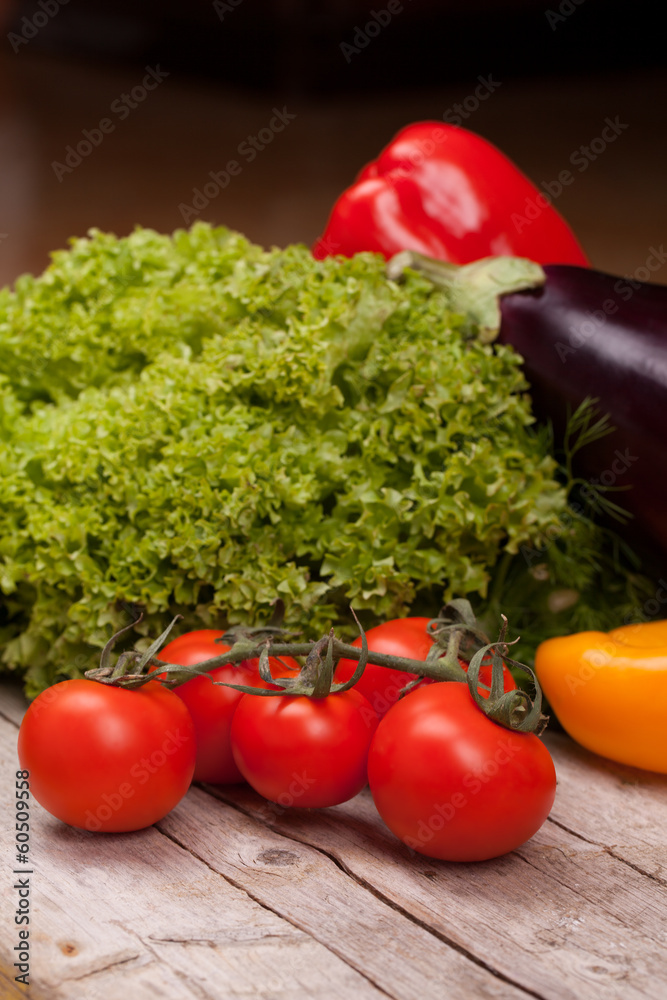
[[513, 710]]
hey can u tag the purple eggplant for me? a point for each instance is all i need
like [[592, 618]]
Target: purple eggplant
[[584, 333]]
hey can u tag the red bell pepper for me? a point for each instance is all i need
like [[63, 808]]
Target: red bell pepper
[[447, 193]]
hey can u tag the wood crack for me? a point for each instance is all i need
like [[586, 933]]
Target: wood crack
[[454, 945], [642, 871], [104, 968], [265, 906], [609, 850], [579, 836], [595, 902], [196, 989]]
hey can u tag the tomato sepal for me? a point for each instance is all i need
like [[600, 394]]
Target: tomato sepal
[[515, 709], [316, 677], [129, 660], [456, 625]]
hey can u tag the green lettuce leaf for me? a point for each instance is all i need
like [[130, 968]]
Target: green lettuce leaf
[[192, 424]]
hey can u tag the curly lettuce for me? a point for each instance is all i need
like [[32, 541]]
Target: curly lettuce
[[194, 425]]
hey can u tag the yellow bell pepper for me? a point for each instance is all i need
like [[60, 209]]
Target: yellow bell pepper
[[609, 691]]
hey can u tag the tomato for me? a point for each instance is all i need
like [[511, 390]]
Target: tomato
[[212, 706], [300, 751], [400, 637], [382, 685], [107, 758], [454, 785]]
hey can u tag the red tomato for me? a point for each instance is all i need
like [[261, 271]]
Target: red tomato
[[401, 637], [106, 758], [382, 685], [299, 751], [211, 706], [452, 784]]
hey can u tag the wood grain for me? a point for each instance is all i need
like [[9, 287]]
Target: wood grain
[[231, 896], [406, 960], [621, 808], [559, 916], [121, 916]]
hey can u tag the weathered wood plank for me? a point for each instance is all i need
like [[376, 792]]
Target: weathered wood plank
[[605, 881], [134, 915], [565, 916], [304, 885], [560, 917], [141, 979], [622, 808]]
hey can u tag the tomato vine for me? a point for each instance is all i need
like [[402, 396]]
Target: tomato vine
[[456, 637]]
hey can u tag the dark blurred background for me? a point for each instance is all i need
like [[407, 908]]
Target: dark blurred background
[[221, 67]]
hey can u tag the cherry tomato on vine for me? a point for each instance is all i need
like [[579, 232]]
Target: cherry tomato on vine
[[400, 637], [107, 758], [212, 706], [300, 751], [452, 784], [382, 685]]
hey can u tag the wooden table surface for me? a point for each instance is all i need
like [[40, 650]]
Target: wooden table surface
[[230, 896]]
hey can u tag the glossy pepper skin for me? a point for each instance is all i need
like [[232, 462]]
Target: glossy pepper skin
[[609, 691], [447, 193]]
